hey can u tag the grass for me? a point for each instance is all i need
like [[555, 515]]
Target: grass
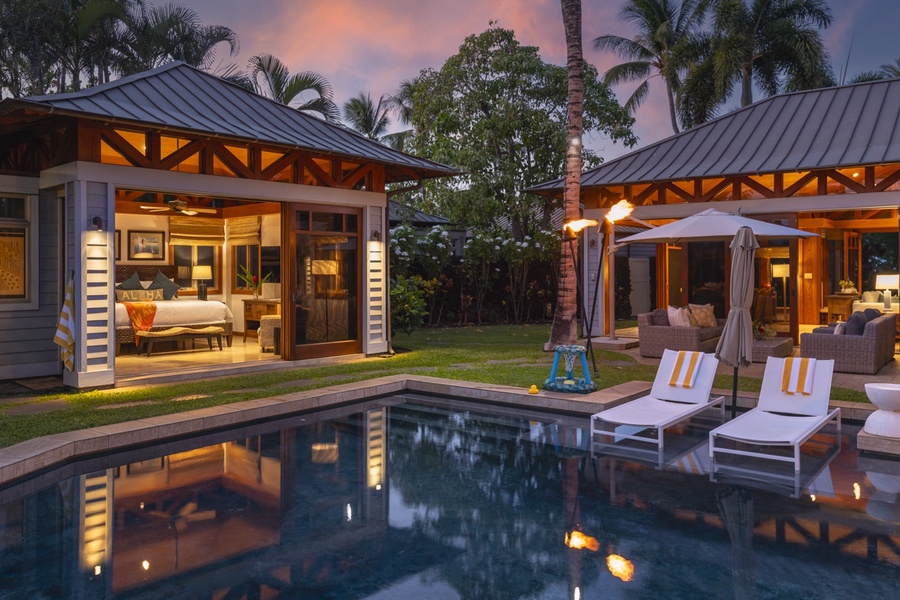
[[498, 354]]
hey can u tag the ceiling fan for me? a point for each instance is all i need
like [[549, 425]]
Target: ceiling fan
[[178, 205]]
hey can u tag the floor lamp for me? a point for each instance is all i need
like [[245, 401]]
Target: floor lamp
[[783, 272]]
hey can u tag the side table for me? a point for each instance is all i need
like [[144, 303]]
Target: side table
[[779, 347]]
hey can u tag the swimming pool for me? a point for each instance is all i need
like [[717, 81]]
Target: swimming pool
[[412, 496]]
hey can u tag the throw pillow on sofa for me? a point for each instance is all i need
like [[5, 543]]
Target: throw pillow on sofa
[[678, 317], [872, 297], [856, 324], [704, 313], [660, 316], [872, 313]]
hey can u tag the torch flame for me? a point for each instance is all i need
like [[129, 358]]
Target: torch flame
[[579, 541], [620, 210], [620, 567], [576, 226]]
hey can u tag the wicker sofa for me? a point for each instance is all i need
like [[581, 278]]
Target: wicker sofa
[[656, 338], [865, 353]]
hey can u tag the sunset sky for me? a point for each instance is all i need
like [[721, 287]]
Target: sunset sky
[[371, 45]]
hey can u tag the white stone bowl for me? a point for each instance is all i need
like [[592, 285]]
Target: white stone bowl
[[885, 396]]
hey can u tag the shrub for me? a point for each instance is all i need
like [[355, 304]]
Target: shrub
[[407, 304]]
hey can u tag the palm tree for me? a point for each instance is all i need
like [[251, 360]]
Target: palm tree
[[157, 35], [664, 29], [775, 44], [366, 117], [891, 70], [564, 330], [272, 79]]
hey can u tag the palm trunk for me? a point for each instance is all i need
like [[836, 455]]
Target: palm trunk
[[746, 85], [672, 115], [564, 330]]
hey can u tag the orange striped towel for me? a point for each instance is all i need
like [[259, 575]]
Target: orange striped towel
[[141, 315], [797, 376], [687, 365]]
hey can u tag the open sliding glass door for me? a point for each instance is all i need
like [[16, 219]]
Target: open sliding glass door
[[325, 281]]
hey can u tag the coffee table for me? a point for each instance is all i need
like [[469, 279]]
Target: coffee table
[[779, 347]]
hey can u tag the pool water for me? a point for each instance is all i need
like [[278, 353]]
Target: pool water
[[422, 497]]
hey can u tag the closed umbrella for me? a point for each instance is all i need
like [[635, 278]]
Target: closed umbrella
[[736, 344]]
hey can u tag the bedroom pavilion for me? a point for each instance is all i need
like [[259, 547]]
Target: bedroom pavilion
[[174, 169], [825, 161]]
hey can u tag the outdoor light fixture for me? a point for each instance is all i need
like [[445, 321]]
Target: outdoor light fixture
[[376, 235], [617, 212], [201, 273], [97, 223], [782, 271], [887, 282]]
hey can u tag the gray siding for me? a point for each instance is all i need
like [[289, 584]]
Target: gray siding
[[376, 333], [26, 336]]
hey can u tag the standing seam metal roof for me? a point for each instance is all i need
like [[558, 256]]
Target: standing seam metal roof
[[180, 97], [853, 125]]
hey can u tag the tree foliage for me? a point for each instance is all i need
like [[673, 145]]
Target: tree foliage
[[498, 112]]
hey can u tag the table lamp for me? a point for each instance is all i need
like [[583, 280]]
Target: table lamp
[[201, 273], [887, 282]]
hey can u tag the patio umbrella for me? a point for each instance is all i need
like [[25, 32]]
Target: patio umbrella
[[736, 343], [713, 225]]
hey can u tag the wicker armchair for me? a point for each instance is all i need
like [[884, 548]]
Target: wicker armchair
[[267, 324], [865, 353], [656, 338]]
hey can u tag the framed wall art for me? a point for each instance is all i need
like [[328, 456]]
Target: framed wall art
[[146, 245]]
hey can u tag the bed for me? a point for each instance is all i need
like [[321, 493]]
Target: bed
[[176, 312]]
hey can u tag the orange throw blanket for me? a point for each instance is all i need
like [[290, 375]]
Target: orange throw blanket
[[141, 315]]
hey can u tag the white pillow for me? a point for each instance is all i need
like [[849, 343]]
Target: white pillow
[[678, 317], [870, 296], [839, 328]]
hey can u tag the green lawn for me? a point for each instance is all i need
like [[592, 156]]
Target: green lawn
[[499, 354]]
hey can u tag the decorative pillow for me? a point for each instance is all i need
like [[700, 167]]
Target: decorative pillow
[[839, 328], [678, 317], [871, 297], [660, 316], [872, 313], [132, 283], [161, 282], [690, 316], [705, 315], [856, 324], [139, 295]]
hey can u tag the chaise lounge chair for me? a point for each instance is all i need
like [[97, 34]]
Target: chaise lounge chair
[[781, 418], [665, 406]]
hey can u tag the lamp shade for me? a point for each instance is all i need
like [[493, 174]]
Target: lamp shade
[[782, 270], [202, 272], [887, 281]]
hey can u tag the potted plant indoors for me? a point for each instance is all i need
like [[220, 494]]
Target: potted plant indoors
[[847, 286]]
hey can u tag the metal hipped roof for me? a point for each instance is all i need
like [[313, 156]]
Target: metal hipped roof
[[180, 98], [853, 125], [398, 213]]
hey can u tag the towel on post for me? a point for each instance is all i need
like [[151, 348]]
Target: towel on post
[[797, 376], [687, 365], [65, 329], [142, 315]]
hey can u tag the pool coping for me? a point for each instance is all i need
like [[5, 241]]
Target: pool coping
[[38, 454]]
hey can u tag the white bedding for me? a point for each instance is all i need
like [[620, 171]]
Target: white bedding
[[181, 312]]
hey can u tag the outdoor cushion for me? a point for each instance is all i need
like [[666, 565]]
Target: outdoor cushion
[[856, 323], [132, 283], [161, 282], [660, 316], [677, 317], [839, 328], [871, 313], [705, 315], [690, 316]]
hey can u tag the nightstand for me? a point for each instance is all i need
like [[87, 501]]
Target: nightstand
[[254, 310]]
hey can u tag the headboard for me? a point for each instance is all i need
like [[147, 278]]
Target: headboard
[[145, 272]]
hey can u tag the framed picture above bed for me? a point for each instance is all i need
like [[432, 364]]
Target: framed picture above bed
[[146, 245]]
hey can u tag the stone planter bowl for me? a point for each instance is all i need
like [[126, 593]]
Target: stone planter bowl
[[886, 420]]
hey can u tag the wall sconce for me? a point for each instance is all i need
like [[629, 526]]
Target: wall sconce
[[376, 235], [201, 273], [97, 222]]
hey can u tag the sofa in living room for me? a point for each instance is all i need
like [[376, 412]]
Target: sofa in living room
[[673, 328], [863, 344]]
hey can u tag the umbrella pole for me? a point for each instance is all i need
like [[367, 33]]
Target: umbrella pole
[[734, 393]]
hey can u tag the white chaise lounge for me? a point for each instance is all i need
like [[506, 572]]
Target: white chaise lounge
[[665, 406], [780, 419]]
